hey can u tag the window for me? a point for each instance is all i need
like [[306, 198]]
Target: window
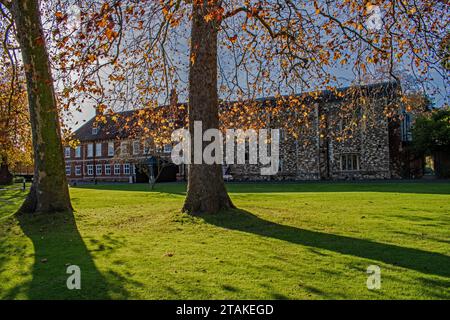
[[78, 170], [107, 169], [345, 124], [90, 150], [349, 162], [117, 169], [282, 135], [167, 148], [126, 168], [405, 128], [98, 149], [68, 170], [78, 152], [67, 152], [98, 169], [136, 147], [90, 170], [110, 149], [148, 147], [123, 148], [94, 130]]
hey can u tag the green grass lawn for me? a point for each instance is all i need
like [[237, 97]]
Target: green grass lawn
[[286, 241]]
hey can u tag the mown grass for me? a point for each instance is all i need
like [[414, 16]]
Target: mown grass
[[286, 241]]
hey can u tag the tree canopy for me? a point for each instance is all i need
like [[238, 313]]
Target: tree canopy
[[431, 132]]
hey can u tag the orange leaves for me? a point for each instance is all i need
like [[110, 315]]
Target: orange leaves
[[214, 15], [60, 16], [110, 34], [192, 58], [91, 58], [233, 39], [116, 77]]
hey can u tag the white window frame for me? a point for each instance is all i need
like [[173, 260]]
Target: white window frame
[[94, 130], [117, 169], [350, 156], [126, 169], [90, 169], [90, 150], [124, 147], [136, 147], [168, 148], [67, 152], [107, 169], [78, 170], [68, 170], [98, 169], [147, 147], [110, 149], [98, 149], [78, 152]]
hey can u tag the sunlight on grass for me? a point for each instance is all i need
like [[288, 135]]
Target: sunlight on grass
[[293, 241]]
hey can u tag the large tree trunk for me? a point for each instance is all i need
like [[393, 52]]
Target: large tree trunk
[[49, 191], [5, 175], [206, 191]]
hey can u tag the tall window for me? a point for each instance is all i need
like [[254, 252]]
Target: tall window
[[90, 150], [68, 170], [90, 170], [78, 152], [148, 147], [117, 169], [126, 168], [350, 162], [78, 170], [110, 149], [98, 169], [98, 149], [67, 152], [107, 169], [136, 147], [123, 147]]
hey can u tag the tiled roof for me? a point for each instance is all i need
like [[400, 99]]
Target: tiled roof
[[116, 129]]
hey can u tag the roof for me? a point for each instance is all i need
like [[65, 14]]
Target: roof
[[113, 128]]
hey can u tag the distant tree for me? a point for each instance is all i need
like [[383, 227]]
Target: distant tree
[[431, 132], [15, 130]]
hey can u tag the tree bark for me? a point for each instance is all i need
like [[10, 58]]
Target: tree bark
[[5, 175], [49, 191], [206, 192]]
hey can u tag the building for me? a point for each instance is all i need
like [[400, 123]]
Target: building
[[108, 152]]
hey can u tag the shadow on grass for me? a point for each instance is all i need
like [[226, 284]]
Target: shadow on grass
[[179, 188], [422, 261], [58, 244]]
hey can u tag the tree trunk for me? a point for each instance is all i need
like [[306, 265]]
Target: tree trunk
[[49, 191], [5, 175], [206, 192]]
